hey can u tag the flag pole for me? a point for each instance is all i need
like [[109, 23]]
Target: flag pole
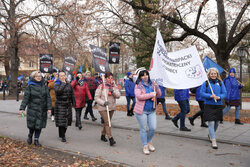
[[154, 97], [106, 99]]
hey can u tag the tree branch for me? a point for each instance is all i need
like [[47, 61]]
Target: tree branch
[[236, 22], [199, 13]]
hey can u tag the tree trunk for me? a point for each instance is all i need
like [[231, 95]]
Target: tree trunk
[[222, 58]]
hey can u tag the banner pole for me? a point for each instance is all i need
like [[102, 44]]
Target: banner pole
[[211, 90], [106, 99], [154, 97]]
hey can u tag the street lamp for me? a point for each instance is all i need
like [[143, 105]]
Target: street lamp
[[241, 53]]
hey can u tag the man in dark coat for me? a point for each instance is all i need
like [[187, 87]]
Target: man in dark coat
[[63, 106], [37, 98]]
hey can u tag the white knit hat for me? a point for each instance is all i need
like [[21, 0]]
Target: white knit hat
[[137, 72]]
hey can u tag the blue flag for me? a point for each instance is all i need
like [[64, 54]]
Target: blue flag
[[208, 63], [20, 77], [80, 69]]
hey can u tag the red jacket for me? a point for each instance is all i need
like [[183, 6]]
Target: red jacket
[[80, 92]]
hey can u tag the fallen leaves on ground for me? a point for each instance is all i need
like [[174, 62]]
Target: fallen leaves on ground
[[173, 110], [17, 153]]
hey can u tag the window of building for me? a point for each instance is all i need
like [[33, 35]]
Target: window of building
[[31, 64]]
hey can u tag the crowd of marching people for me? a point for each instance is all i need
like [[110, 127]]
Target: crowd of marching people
[[56, 95]]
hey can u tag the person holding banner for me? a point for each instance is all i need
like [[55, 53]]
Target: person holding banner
[[233, 96], [65, 99], [37, 98], [146, 93], [161, 100], [213, 91], [182, 97], [81, 90], [106, 95], [130, 93]]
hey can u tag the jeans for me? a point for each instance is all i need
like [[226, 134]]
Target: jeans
[[237, 111], [37, 132], [164, 108], [147, 118], [185, 108], [128, 102], [212, 127]]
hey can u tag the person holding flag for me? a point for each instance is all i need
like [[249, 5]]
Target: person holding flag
[[146, 93], [213, 91], [105, 96], [233, 96]]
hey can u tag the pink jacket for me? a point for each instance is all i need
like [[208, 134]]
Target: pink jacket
[[142, 96]]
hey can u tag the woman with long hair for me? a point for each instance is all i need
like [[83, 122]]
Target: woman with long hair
[[213, 97], [145, 109]]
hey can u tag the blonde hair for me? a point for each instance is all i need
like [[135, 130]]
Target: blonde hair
[[34, 73], [216, 70]]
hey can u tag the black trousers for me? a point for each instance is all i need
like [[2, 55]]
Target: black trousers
[[52, 112], [89, 108], [37, 132], [62, 130], [78, 117], [200, 113]]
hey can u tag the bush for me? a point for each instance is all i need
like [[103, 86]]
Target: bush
[[170, 92], [246, 88]]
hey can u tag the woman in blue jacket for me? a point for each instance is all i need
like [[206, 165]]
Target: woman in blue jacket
[[233, 96], [130, 93], [182, 97], [213, 102]]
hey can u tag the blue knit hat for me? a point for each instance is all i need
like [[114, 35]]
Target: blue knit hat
[[232, 70], [128, 74]]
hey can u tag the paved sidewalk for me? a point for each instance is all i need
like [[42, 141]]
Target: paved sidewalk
[[227, 132]]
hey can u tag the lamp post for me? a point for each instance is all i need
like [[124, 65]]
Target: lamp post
[[241, 53]]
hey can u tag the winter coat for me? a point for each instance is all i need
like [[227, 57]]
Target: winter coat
[[232, 87], [52, 93], [92, 85], [181, 94], [129, 87], [142, 96], [100, 97], [198, 94], [63, 106], [218, 89], [80, 92], [162, 92], [37, 98]]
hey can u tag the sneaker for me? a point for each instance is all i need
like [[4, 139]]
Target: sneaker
[[52, 118], [145, 150], [214, 144], [151, 147], [185, 129]]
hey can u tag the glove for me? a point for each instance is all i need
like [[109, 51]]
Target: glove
[[106, 103], [77, 78], [111, 90]]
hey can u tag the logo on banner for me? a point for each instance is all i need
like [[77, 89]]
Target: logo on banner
[[194, 72]]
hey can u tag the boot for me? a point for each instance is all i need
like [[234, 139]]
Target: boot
[[214, 144], [85, 117], [204, 125], [36, 142], [167, 117], [129, 113], [94, 119], [29, 140], [237, 121], [112, 141], [132, 111], [103, 138], [191, 120], [64, 139], [175, 123]]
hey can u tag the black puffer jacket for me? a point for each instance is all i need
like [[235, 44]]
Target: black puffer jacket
[[37, 98], [63, 106]]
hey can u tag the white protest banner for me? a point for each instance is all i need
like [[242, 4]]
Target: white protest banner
[[177, 70]]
